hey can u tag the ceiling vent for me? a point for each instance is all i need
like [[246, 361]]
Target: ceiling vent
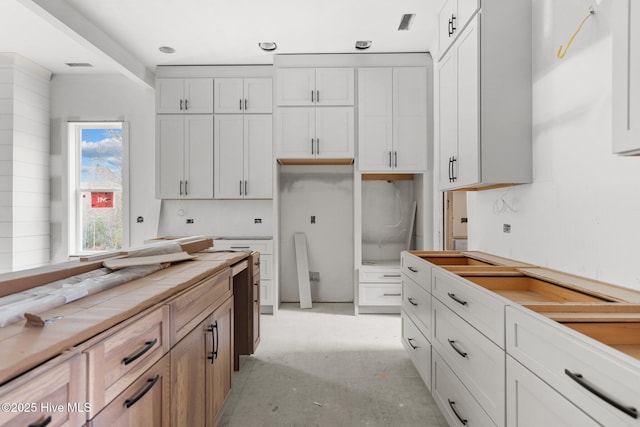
[[78, 64], [406, 21]]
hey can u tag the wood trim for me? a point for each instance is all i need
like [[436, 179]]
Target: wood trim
[[387, 176], [298, 162]]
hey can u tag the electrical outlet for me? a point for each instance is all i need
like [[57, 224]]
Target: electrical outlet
[[140, 219], [506, 228], [257, 220], [314, 276], [313, 219], [189, 220]]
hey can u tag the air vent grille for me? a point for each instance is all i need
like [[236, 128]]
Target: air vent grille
[[406, 21]]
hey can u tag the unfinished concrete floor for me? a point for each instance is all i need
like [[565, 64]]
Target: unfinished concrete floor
[[327, 367]]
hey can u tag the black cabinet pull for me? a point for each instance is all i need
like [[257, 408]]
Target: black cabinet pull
[[312, 147], [453, 23], [312, 96], [181, 188], [186, 187], [389, 158], [456, 299], [410, 341], [449, 28], [413, 270], [215, 353], [452, 343], [42, 423], [186, 104], [453, 170], [245, 104], [240, 104], [317, 145], [317, 96], [147, 346], [151, 382], [239, 247], [412, 301], [245, 188], [181, 104], [449, 169], [629, 410], [452, 405], [213, 344], [391, 295], [395, 162]]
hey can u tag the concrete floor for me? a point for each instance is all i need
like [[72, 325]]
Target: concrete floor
[[326, 367]]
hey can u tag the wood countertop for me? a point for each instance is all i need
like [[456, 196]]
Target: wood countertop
[[24, 347]]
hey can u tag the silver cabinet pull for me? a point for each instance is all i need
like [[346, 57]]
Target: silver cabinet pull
[[391, 295], [390, 275]]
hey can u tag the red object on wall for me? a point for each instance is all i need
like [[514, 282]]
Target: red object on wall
[[101, 199]]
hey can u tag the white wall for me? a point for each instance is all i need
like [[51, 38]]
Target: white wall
[[104, 98], [581, 213]]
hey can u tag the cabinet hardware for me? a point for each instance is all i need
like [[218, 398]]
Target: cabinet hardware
[[391, 295], [241, 187], [239, 247], [390, 275], [389, 158], [215, 353], [413, 270], [453, 23], [181, 105], [213, 344], [42, 423], [449, 28], [186, 104], [312, 147], [240, 104], [412, 301], [450, 169], [312, 96], [395, 161], [317, 96], [452, 343], [245, 188], [132, 401], [245, 104], [317, 145], [453, 170], [147, 346], [410, 341], [452, 405], [629, 410], [456, 299], [186, 187], [181, 188]]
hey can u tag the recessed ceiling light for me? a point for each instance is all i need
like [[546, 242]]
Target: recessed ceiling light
[[268, 46], [406, 21], [166, 49], [363, 44], [78, 64]]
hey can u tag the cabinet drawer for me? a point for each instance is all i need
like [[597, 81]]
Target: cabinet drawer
[[416, 302], [380, 294], [35, 395], [418, 347], [117, 360], [143, 403], [564, 358], [390, 275], [454, 400], [266, 267], [190, 308], [532, 403], [417, 269], [477, 361], [476, 305], [266, 292]]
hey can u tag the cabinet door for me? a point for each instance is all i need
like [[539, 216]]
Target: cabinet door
[[220, 370], [169, 156], [467, 165], [258, 93], [466, 9], [199, 152], [198, 95], [410, 118], [295, 132], [295, 86], [375, 116], [228, 96], [334, 86], [626, 78], [448, 117], [258, 155], [169, 96], [229, 156], [334, 132], [446, 25]]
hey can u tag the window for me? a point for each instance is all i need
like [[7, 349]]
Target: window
[[98, 203]]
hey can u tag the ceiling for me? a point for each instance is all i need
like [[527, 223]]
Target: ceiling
[[123, 36]]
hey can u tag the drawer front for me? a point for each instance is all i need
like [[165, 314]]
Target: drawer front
[[391, 275], [266, 292], [418, 347], [478, 306], [554, 353], [255, 265], [477, 361], [454, 400], [188, 309], [47, 392], [116, 361], [380, 294], [532, 403], [143, 403], [266, 266], [417, 269], [262, 246], [416, 302]]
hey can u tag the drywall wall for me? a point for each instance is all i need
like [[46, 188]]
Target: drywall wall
[[325, 192], [580, 214], [104, 98]]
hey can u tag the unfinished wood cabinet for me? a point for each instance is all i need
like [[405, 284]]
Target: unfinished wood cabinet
[[246, 296]]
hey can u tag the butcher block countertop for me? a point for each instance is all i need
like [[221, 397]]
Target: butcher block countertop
[[25, 347]]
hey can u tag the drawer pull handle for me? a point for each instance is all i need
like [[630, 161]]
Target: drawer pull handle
[[452, 343], [239, 247], [214, 341], [456, 299], [390, 275], [152, 381], [410, 341], [42, 423], [147, 346], [414, 270], [629, 410], [391, 295], [452, 405], [412, 301]]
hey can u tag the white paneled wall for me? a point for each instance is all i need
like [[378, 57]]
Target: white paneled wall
[[24, 164]]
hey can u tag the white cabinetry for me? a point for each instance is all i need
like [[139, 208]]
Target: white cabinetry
[[315, 86], [626, 78], [392, 113], [238, 95], [379, 289], [186, 96], [184, 156], [453, 17], [243, 153], [492, 148]]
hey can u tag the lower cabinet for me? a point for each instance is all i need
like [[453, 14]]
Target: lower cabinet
[[418, 347]]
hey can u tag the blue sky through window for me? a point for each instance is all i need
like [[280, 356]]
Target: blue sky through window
[[101, 148]]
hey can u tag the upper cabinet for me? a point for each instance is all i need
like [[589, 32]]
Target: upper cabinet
[[315, 86], [626, 78], [484, 100], [238, 95], [453, 17], [392, 119], [184, 96]]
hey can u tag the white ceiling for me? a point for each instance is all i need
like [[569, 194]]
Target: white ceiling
[[124, 35]]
